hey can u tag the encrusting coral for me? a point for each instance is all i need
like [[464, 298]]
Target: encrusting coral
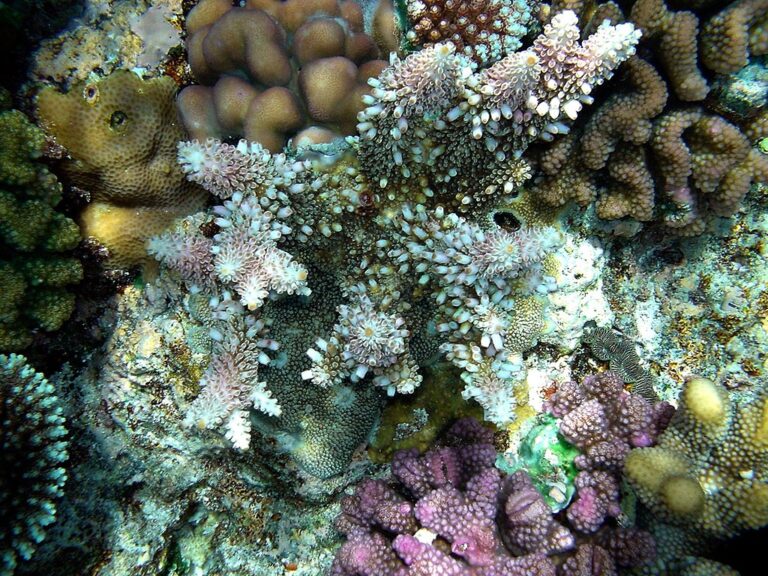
[[121, 134], [709, 472], [32, 450], [306, 65], [36, 265]]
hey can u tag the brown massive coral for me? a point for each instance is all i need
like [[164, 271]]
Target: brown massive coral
[[274, 70], [646, 153], [121, 134]]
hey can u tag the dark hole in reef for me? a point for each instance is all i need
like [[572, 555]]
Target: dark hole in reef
[[671, 255], [118, 120], [507, 221]]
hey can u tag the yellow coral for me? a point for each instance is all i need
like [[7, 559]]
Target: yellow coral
[[705, 401], [710, 469], [121, 133]]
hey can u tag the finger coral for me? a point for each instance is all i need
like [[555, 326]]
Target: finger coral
[[306, 65], [34, 447], [36, 265], [708, 472], [121, 134]]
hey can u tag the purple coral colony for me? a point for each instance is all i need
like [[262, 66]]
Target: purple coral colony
[[383, 287]]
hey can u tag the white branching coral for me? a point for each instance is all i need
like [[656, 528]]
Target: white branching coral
[[500, 109], [246, 255], [365, 339], [230, 386], [224, 169]]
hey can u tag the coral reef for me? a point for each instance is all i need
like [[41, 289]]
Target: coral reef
[[33, 451], [109, 35], [121, 134], [36, 241], [306, 66], [709, 469], [642, 155], [374, 236], [454, 513]]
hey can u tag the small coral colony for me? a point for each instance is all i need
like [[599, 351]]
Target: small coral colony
[[366, 255]]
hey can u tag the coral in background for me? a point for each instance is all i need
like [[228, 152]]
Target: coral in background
[[729, 37], [36, 265], [485, 31], [121, 133], [306, 65], [709, 472], [108, 35], [32, 450], [452, 512]]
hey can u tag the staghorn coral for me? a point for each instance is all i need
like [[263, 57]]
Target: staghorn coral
[[452, 512], [36, 265], [306, 66], [708, 472], [485, 30], [33, 450], [121, 134]]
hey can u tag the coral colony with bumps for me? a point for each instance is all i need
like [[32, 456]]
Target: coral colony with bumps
[[455, 287]]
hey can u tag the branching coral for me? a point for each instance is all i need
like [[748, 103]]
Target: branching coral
[[36, 266], [477, 119], [268, 42], [454, 513], [121, 133], [709, 471], [32, 450]]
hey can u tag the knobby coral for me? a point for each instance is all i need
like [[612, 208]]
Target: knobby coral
[[36, 265], [32, 450], [710, 469], [451, 512]]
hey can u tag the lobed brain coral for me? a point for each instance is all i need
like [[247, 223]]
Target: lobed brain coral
[[36, 265], [271, 71], [121, 134]]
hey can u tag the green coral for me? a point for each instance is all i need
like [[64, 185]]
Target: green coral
[[35, 269], [548, 459]]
